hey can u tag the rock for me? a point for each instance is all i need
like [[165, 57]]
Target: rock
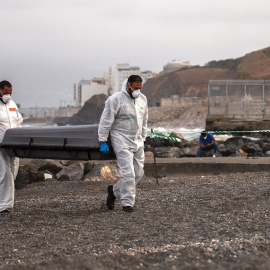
[[88, 167], [67, 162], [194, 143], [157, 142], [266, 147], [30, 167], [90, 112], [251, 148], [22, 179], [36, 177], [173, 152], [226, 150], [236, 154], [258, 154], [167, 152], [101, 172], [234, 142], [73, 172], [149, 154], [47, 164], [48, 176], [232, 145], [179, 136], [161, 152], [267, 153], [188, 152], [243, 153], [27, 177]]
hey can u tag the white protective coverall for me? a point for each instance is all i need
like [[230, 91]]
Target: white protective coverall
[[126, 120], [9, 118]]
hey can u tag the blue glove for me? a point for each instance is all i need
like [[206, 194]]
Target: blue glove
[[104, 148]]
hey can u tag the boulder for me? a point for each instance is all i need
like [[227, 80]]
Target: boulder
[[157, 142], [161, 152], [227, 150], [167, 152], [36, 177], [267, 153], [149, 154], [234, 143], [266, 147], [101, 172], [24, 178], [251, 148], [30, 167], [74, 172], [179, 136], [47, 164], [88, 167], [258, 154], [173, 152], [188, 152], [67, 162]]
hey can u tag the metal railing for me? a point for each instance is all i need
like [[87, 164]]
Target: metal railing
[[239, 97]]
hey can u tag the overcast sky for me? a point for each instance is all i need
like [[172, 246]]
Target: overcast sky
[[48, 45]]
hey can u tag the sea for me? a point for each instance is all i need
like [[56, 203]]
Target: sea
[[188, 134]]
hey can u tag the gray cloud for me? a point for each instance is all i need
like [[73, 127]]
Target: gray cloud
[[49, 45]]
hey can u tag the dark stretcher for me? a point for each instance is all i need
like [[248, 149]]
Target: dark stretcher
[[67, 143]]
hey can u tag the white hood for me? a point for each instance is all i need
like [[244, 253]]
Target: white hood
[[124, 86]]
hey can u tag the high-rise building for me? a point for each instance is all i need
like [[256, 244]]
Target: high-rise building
[[123, 71], [85, 89], [110, 80]]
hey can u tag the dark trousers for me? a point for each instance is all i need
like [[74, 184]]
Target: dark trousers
[[213, 146]]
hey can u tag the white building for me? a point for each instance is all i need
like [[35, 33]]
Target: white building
[[110, 80], [85, 89], [123, 71], [175, 65]]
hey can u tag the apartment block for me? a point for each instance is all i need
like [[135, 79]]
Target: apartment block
[[85, 89]]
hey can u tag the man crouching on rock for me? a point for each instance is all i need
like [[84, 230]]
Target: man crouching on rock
[[125, 118], [206, 143]]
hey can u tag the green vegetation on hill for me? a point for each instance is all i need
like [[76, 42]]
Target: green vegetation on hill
[[228, 63]]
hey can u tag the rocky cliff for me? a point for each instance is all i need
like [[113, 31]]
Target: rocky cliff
[[193, 81], [91, 111]]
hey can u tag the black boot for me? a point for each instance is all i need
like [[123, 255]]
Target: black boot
[[128, 208], [4, 212], [111, 198]]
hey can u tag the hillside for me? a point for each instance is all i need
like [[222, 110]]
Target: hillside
[[194, 81], [91, 111]]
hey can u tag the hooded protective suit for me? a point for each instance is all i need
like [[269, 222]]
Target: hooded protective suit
[[126, 120], [9, 118]]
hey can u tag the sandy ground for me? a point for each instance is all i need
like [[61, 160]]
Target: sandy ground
[[195, 222]]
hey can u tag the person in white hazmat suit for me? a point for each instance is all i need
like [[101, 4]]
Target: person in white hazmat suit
[[9, 118], [125, 118]]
